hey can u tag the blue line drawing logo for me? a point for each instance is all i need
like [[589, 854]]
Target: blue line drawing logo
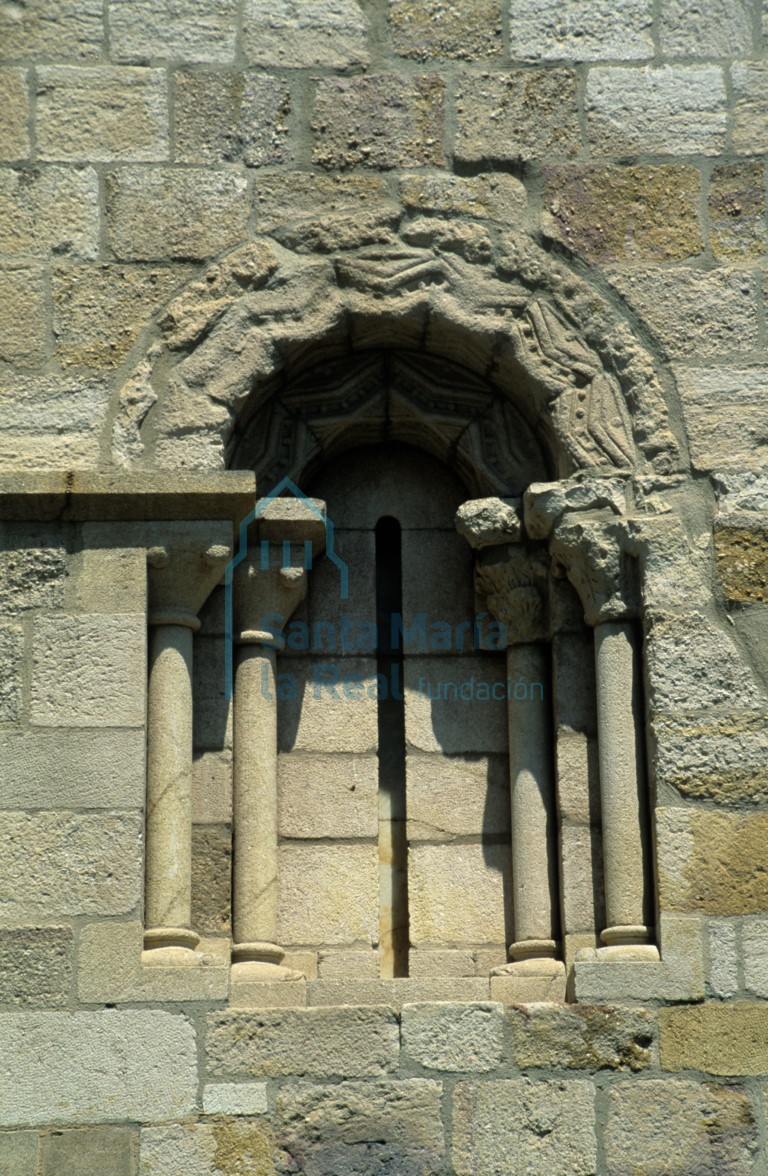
[[242, 551]]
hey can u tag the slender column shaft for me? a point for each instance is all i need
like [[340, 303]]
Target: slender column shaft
[[255, 800], [534, 884], [168, 914], [621, 783]]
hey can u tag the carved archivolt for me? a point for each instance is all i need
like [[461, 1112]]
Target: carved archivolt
[[507, 351]]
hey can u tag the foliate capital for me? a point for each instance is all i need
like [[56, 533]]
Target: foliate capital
[[514, 581]]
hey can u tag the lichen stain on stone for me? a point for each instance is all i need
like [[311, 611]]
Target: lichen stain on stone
[[742, 564], [243, 1148]]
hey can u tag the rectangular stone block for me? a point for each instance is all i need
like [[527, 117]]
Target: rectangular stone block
[[12, 663], [212, 787], [457, 706], [712, 861], [35, 967], [211, 878], [754, 941], [160, 213], [524, 115], [14, 99], [364, 1128], [356, 210], [427, 964], [53, 29], [328, 795], [666, 1124], [110, 968], [723, 1039], [235, 1098], [23, 313], [95, 769], [457, 1038], [678, 977], [741, 555], [346, 965], [198, 1149], [97, 115], [49, 210], [89, 671], [726, 412], [723, 958], [212, 711], [736, 208], [315, 32], [456, 893], [91, 1151], [455, 796], [715, 312], [57, 864], [100, 311], [429, 31], [750, 94], [19, 1153], [140, 30], [328, 894], [231, 118], [529, 988], [575, 30], [328, 704], [640, 213], [583, 907], [582, 1038], [379, 122], [491, 196], [317, 1043], [708, 30], [96, 1067], [51, 422], [542, 1128], [672, 110]]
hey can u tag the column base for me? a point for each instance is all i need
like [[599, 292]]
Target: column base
[[170, 947], [260, 963], [533, 949], [628, 942], [529, 981]]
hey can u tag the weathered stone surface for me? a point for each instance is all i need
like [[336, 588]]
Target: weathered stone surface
[[169, 213], [212, 787], [454, 1037], [678, 977], [451, 707], [681, 681], [754, 942], [741, 555], [94, 1151], [23, 313], [724, 1039], [35, 966], [357, 210], [51, 422], [541, 1128], [328, 894], [211, 878], [51, 209], [669, 110], [33, 566], [363, 1128], [300, 33], [456, 893], [737, 212], [740, 489], [492, 196], [207, 1149], [517, 116], [143, 29], [380, 122], [98, 115], [578, 31], [487, 522], [12, 662], [714, 757], [51, 29], [96, 1067], [426, 31], [99, 311], [332, 705], [231, 117], [678, 1126], [581, 1037], [750, 95], [328, 796], [235, 1098], [470, 241], [356, 1043], [19, 1152], [637, 213], [344, 965], [726, 415], [714, 312], [212, 711], [473, 797], [707, 29], [14, 97], [723, 975], [57, 864], [712, 861], [88, 671]]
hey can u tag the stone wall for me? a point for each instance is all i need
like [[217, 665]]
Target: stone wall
[[202, 202]]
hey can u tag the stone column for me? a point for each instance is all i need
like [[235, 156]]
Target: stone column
[[185, 562], [593, 551], [268, 585]]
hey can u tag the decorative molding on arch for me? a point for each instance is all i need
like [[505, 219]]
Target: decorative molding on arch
[[557, 361]]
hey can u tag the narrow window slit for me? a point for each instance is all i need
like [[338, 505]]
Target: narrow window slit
[[393, 844]]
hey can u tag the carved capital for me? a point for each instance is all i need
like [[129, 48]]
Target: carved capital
[[185, 562], [514, 581], [487, 522], [595, 556]]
